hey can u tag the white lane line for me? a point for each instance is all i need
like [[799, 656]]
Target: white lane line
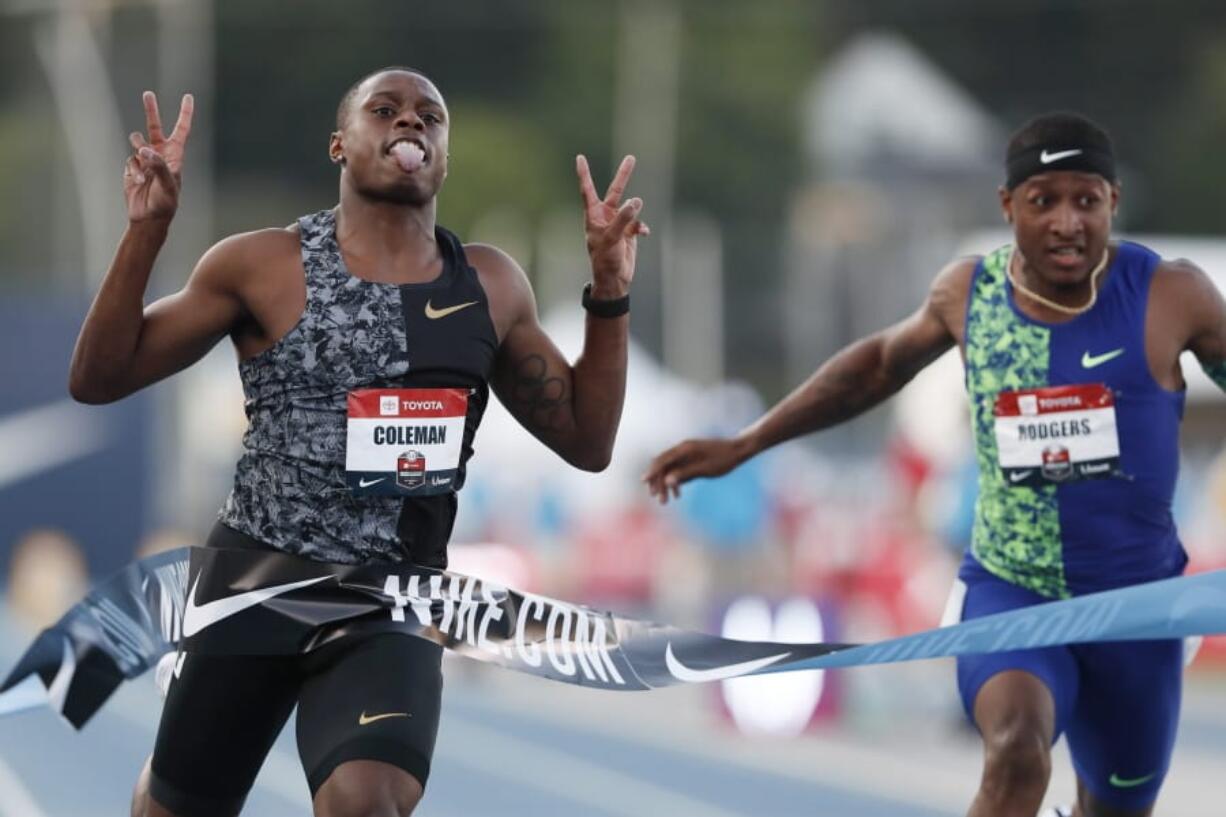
[[522, 762], [938, 776], [44, 437], [15, 798]]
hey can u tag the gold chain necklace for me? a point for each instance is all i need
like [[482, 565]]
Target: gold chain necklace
[[1066, 310]]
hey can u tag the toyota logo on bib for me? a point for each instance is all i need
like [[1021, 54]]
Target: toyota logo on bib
[[410, 470]]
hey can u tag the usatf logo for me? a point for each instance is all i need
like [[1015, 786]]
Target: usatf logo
[[411, 470], [1056, 463]]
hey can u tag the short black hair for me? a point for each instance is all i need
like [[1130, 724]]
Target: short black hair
[[1059, 128], [342, 109]]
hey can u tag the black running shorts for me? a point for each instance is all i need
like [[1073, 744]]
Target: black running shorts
[[360, 698]]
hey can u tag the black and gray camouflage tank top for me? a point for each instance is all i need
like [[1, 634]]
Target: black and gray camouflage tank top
[[289, 489]]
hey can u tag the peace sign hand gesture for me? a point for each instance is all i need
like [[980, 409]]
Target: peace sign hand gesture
[[612, 230], [152, 176]]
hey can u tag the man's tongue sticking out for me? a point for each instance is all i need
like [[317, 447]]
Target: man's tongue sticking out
[[408, 155]]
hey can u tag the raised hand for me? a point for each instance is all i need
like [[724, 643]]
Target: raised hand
[[152, 175], [689, 460], [611, 228]]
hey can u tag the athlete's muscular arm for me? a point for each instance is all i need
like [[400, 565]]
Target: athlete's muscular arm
[[122, 345], [854, 380], [573, 409], [1205, 311]]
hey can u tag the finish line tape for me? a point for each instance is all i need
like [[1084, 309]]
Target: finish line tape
[[244, 602]]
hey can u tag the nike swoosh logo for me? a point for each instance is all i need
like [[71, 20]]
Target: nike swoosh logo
[[1131, 782], [1089, 361], [364, 483], [1047, 158], [697, 676], [434, 314], [197, 617], [364, 719], [1018, 476]]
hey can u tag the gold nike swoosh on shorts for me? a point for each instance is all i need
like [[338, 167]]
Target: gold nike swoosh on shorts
[[364, 719], [434, 314]]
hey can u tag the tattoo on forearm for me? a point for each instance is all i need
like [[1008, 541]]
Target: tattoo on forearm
[[543, 401]]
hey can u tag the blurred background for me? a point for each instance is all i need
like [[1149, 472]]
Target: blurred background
[[807, 167]]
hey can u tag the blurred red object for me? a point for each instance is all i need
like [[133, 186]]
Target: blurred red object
[[511, 566], [617, 555]]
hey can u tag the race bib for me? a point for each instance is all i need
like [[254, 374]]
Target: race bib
[[404, 442], [1057, 434]]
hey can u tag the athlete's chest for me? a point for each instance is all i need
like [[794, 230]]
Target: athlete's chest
[[1107, 345]]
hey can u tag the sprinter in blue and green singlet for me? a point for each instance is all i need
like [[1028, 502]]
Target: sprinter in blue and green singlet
[[1071, 344]]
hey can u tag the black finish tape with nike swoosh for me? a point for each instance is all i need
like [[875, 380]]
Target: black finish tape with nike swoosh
[[249, 602]]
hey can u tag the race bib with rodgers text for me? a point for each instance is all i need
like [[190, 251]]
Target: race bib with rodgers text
[[1057, 434]]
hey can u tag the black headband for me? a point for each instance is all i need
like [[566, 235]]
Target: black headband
[[1043, 158]]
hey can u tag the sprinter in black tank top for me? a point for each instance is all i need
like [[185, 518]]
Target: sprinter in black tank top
[[367, 310]]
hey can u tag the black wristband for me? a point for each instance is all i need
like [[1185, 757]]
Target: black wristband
[[613, 308]]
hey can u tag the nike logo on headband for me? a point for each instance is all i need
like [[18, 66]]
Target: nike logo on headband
[[1047, 158], [197, 617]]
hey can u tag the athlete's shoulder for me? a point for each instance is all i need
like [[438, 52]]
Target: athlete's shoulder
[[238, 257], [952, 284], [959, 270], [1183, 282], [948, 294], [488, 259], [1180, 269], [500, 275], [256, 245]]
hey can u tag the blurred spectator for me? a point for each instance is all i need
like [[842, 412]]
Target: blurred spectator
[[47, 575]]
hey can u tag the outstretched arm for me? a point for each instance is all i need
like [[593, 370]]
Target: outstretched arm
[[1208, 312], [573, 409], [122, 345], [854, 380]]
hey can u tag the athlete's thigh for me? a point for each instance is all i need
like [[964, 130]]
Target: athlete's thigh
[[1122, 731], [377, 698], [1054, 667], [221, 716]]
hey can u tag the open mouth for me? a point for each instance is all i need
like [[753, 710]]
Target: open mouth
[[1067, 257], [410, 154]]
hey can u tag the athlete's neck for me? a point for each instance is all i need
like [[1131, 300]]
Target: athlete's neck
[[387, 241], [1066, 301]]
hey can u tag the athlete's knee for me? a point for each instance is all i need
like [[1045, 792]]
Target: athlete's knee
[[367, 788], [1017, 758], [143, 804]]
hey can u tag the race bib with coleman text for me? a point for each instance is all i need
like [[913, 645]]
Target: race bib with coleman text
[[404, 442], [1057, 434]]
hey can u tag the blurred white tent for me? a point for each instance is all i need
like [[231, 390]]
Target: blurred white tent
[[660, 409], [881, 97], [905, 163]]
